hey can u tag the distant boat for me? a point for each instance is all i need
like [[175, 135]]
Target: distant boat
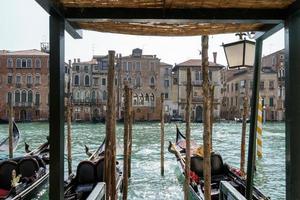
[[4, 144], [222, 175]]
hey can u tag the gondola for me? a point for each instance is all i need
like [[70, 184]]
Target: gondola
[[89, 173], [220, 172], [22, 177], [4, 144]]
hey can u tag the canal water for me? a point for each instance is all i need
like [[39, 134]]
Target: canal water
[[146, 182]]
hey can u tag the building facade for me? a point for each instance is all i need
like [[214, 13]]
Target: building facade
[[24, 77], [239, 84], [179, 88]]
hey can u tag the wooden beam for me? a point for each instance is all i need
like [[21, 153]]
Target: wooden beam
[[56, 106], [201, 15], [51, 8]]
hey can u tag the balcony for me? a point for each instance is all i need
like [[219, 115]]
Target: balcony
[[23, 104], [18, 85], [29, 85]]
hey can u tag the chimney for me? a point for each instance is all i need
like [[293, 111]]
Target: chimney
[[78, 60], [74, 60], [70, 63], [215, 57]]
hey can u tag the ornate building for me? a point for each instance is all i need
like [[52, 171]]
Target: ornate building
[[179, 87], [24, 83]]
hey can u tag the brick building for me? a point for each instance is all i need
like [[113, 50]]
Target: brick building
[[24, 83]]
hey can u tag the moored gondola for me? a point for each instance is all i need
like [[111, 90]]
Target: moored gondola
[[16, 137], [220, 172], [89, 174], [22, 177]]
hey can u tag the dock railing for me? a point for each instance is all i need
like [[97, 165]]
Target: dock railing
[[228, 192]]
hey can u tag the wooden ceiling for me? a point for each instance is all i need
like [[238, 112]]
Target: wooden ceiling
[[169, 27]]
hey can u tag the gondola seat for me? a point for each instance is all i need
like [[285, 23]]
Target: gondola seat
[[86, 176], [28, 168], [6, 168], [100, 170], [217, 166]]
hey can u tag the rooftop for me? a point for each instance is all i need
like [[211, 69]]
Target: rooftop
[[30, 52]]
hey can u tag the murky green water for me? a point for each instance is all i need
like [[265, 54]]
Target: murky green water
[[146, 182]]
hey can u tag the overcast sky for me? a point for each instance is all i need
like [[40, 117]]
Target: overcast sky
[[24, 24]]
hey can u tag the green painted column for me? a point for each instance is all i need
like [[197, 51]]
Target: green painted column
[[292, 105]]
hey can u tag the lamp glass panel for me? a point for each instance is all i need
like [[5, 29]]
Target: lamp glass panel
[[234, 54], [249, 54]]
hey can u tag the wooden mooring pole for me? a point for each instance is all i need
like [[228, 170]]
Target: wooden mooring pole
[[126, 141], [162, 136], [10, 130], [110, 142], [243, 140], [131, 115], [188, 133], [207, 118], [69, 121]]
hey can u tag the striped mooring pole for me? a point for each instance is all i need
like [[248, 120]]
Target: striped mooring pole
[[259, 129]]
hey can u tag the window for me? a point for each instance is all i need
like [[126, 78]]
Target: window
[[103, 81], [96, 81], [236, 101], [271, 85], [24, 63], [243, 83], [37, 63], [9, 79], [135, 99], [93, 96], [86, 69], [87, 80], [138, 66], [141, 99], [18, 79], [125, 66], [9, 97], [166, 95], [76, 80], [236, 87], [262, 85], [104, 95], [37, 99], [37, 79], [23, 96], [17, 96], [10, 63], [271, 102], [77, 68], [19, 65], [29, 79], [231, 87], [152, 81], [29, 63], [29, 96], [147, 97], [166, 83], [138, 81], [129, 80], [129, 66], [198, 76]]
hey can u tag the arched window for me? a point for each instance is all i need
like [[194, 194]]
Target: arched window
[[37, 63], [87, 96], [29, 63], [19, 63], [29, 96], [152, 81], [29, 79], [10, 63], [37, 98], [87, 80], [37, 79], [141, 99], [17, 96], [135, 99], [104, 95], [77, 95], [147, 97], [151, 97], [76, 80], [93, 96], [9, 97], [24, 63], [129, 80], [138, 81], [23, 96]]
